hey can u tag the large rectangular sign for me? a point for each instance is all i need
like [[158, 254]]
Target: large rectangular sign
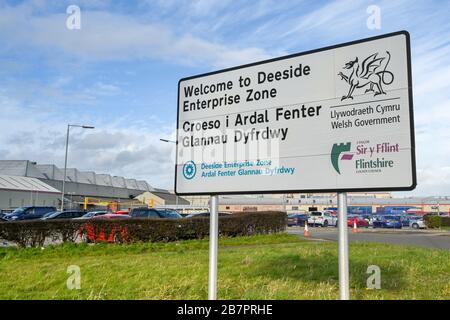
[[333, 119]]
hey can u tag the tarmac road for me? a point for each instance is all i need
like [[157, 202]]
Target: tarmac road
[[422, 238]]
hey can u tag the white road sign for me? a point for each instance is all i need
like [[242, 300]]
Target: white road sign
[[333, 119]]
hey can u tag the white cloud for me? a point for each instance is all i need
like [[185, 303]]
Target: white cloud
[[132, 151], [113, 36], [432, 181]]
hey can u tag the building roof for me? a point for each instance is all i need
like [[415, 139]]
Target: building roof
[[170, 198], [22, 168], [18, 183], [26, 168]]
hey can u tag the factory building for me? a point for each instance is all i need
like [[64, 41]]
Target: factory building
[[16, 191], [80, 186]]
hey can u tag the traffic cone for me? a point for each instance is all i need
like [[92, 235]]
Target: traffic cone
[[355, 227], [306, 230]]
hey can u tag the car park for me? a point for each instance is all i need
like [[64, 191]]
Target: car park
[[68, 214], [322, 218], [297, 219], [28, 213], [387, 221]]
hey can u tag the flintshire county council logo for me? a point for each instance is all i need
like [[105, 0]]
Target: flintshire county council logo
[[336, 152], [189, 170], [370, 72]]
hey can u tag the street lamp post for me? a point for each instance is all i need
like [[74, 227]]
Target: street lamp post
[[171, 141], [65, 159], [167, 140]]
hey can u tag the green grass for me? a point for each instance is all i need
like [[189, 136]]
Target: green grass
[[261, 267]]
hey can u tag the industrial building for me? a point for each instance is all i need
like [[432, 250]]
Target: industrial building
[[42, 183], [16, 191]]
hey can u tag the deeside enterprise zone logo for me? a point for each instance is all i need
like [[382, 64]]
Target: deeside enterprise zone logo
[[189, 170]]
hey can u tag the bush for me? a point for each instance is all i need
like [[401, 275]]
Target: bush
[[445, 221], [39, 232], [433, 221]]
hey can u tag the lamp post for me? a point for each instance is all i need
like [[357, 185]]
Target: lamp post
[[167, 140], [171, 141], [65, 159]]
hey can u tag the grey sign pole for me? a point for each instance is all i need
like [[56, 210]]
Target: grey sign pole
[[213, 246], [343, 247]]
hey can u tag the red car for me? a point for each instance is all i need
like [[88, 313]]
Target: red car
[[360, 221], [116, 235]]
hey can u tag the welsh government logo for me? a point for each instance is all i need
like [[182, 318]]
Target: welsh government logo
[[368, 73], [336, 152], [189, 170]]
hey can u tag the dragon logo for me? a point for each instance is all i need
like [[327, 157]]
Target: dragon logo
[[368, 73]]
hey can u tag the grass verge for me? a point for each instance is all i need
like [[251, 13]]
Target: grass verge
[[277, 266]]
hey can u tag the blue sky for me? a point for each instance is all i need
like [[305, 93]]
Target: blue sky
[[119, 72]]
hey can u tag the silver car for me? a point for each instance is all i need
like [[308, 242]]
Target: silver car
[[322, 218], [417, 223]]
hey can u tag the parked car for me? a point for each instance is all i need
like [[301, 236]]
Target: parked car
[[387, 221], [368, 217], [405, 220], [170, 214], [322, 218], [92, 214], [184, 215], [417, 223], [417, 212], [123, 212], [360, 221], [5, 211], [28, 213], [69, 214], [297, 219], [206, 214], [154, 213], [115, 235]]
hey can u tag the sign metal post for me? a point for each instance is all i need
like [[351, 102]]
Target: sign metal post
[[213, 246], [343, 247]]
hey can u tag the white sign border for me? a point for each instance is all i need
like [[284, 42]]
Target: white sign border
[[411, 121]]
